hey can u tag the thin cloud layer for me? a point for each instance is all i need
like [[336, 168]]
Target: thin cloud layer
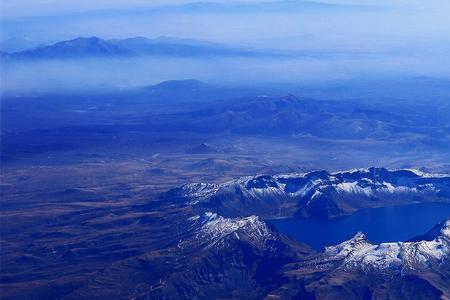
[[361, 38]]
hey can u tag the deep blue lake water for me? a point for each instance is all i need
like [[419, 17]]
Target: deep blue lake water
[[386, 224]]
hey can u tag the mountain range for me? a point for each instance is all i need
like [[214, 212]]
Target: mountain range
[[353, 269], [291, 116], [135, 47], [317, 194]]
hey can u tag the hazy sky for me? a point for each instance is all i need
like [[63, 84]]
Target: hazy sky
[[407, 37], [19, 8], [402, 22]]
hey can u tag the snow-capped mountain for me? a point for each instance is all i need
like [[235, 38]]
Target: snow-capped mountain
[[317, 193], [234, 258], [358, 269], [359, 253], [214, 231]]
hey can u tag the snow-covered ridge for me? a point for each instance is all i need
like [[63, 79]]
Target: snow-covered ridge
[[359, 253], [306, 188], [214, 230]]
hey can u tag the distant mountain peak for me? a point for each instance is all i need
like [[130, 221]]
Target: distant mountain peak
[[90, 39], [186, 84], [80, 41], [76, 48], [137, 46]]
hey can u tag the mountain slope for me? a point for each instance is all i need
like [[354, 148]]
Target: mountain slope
[[237, 258], [215, 257]]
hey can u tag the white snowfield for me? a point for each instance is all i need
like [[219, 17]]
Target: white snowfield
[[358, 252]]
